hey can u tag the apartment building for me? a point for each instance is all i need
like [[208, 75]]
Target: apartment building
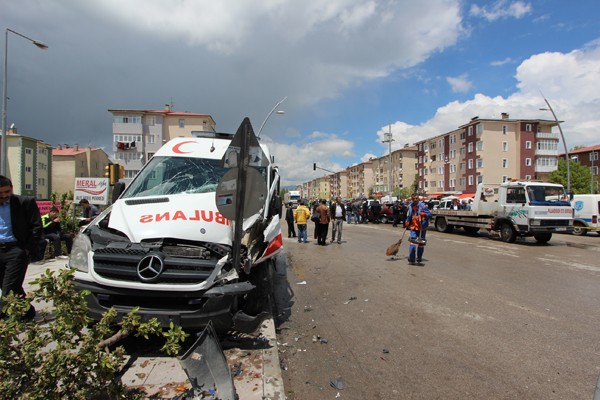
[[29, 165], [338, 184], [403, 168], [70, 162], [360, 179], [588, 157], [138, 134], [487, 150]]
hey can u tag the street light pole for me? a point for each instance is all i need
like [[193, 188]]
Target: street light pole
[[564, 144], [389, 139], [269, 114], [592, 156], [5, 95]]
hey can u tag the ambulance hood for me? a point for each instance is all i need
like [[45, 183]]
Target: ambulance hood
[[183, 216]]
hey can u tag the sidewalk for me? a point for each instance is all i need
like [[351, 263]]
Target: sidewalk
[[258, 372]]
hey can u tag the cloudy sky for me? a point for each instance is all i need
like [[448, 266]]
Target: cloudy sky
[[351, 69]]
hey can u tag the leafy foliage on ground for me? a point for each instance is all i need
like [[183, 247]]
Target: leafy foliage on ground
[[66, 357]]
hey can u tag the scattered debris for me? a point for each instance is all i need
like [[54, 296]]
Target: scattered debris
[[386, 351], [301, 283], [350, 299], [307, 308], [337, 383]]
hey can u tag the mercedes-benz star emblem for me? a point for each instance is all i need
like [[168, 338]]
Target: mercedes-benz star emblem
[[150, 268]]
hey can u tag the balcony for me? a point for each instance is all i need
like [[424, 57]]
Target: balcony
[[546, 152], [547, 135], [545, 168]]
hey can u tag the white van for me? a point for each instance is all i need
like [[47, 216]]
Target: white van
[[586, 209]]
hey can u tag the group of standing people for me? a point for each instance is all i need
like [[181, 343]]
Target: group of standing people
[[322, 215], [414, 216]]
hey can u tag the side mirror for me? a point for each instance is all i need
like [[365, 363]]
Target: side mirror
[[117, 191]]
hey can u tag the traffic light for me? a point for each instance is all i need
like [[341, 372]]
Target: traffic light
[[314, 166], [109, 172], [114, 173]]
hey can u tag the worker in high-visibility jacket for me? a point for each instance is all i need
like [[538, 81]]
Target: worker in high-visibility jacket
[[417, 220]]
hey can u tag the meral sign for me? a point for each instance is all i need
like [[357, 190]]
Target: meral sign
[[95, 190]]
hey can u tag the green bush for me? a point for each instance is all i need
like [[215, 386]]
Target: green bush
[[67, 357]]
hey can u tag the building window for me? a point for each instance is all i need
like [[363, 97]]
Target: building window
[[452, 139], [527, 177], [528, 162], [479, 163], [470, 130], [546, 162], [479, 145], [27, 169], [28, 151], [470, 147], [504, 129], [479, 128], [470, 179], [182, 123], [528, 128], [479, 179], [504, 146], [28, 186], [547, 145], [452, 168], [471, 164], [594, 156], [515, 195], [528, 144], [595, 170], [504, 163], [462, 136], [504, 178]]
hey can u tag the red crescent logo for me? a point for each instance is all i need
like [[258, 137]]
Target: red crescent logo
[[176, 148]]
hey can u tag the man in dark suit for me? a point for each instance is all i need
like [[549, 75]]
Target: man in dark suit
[[20, 234]]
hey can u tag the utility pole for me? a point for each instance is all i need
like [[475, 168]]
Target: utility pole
[[389, 139]]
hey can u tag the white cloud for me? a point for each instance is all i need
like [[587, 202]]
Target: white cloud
[[501, 9], [460, 84], [568, 80], [500, 63]]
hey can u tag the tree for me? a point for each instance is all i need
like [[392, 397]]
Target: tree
[[580, 176], [415, 185], [67, 357]]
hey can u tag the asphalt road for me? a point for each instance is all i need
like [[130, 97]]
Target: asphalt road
[[481, 319]]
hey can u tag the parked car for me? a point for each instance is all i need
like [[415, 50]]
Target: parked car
[[384, 216]]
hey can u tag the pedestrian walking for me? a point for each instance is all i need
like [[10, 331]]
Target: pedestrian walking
[[289, 218], [301, 216], [365, 212], [338, 215], [417, 220], [20, 235]]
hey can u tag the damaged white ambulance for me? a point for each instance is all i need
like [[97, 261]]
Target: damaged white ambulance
[[164, 247]]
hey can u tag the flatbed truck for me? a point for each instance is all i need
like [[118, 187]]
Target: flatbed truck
[[512, 209]]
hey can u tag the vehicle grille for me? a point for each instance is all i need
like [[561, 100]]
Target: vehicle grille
[[121, 264], [554, 222]]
